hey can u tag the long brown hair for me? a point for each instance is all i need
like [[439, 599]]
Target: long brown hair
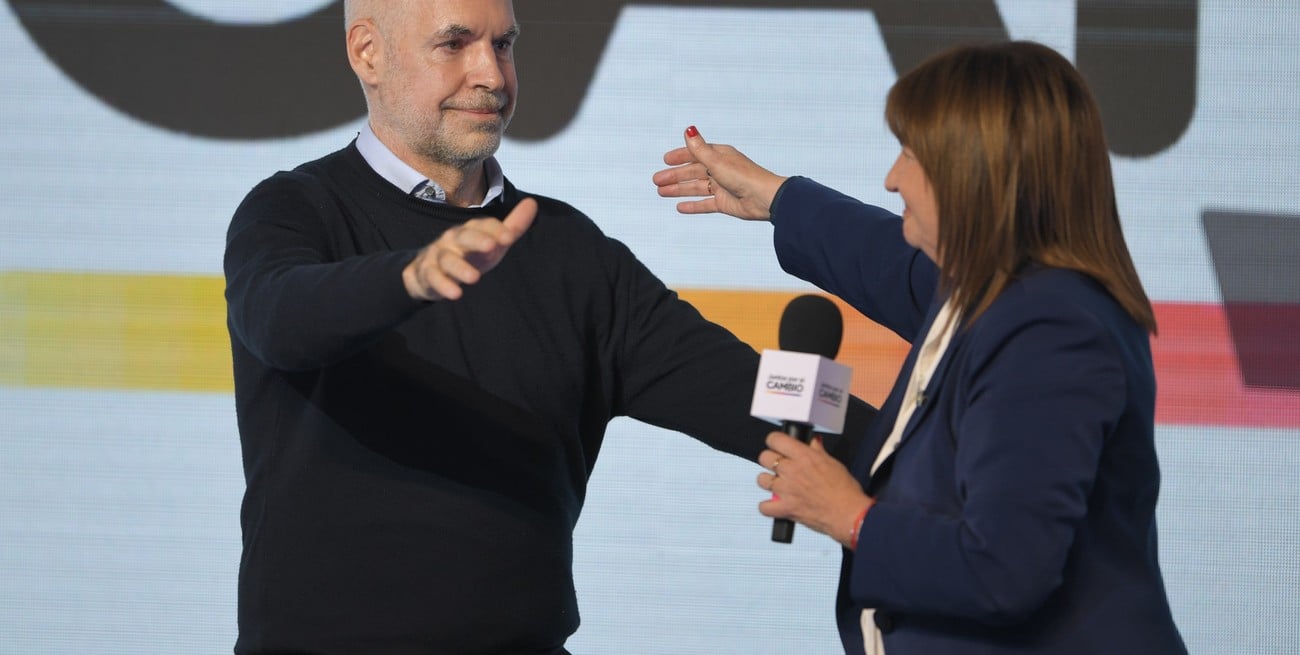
[[1012, 143]]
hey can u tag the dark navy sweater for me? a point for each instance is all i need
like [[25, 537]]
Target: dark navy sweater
[[415, 470]]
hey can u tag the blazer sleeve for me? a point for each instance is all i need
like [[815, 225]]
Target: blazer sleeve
[[855, 251]]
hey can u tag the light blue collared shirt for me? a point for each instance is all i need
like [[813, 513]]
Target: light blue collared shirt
[[411, 181]]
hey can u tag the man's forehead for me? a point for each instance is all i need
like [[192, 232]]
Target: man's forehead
[[465, 17]]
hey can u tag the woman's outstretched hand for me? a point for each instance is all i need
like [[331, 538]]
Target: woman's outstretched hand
[[725, 178]]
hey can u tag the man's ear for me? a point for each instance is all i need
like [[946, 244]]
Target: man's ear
[[365, 51]]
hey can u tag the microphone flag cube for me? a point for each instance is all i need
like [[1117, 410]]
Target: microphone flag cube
[[801, 388]]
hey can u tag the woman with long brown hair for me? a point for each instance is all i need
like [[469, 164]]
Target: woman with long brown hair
[[1004, 500]]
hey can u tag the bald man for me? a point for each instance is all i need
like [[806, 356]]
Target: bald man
[[426, 359]]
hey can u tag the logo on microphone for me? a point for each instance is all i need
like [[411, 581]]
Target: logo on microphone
[[830, 395], [785, 385]]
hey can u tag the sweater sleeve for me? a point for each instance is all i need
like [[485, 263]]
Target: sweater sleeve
[[855, 251], [290, 300], [674, 368]]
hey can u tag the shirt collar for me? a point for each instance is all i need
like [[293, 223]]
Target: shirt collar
[[410, 181]]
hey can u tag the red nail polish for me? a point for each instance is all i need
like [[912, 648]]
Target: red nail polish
[[692, 132]]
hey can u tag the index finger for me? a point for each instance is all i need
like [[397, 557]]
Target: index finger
[[679, 174], [784, 444], [678, 156]]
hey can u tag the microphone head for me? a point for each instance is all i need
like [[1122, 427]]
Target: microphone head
[[811, 324]]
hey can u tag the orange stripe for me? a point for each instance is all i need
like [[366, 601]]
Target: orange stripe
[[874, 353], [168, 332]]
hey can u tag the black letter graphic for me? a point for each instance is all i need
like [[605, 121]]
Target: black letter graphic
[[1259, 278], [1140, 59], [163, 66], [563, 42]]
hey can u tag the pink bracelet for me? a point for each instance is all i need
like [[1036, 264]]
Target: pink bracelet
[[857, 526]]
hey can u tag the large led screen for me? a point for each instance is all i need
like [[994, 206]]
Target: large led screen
[[132, 129]]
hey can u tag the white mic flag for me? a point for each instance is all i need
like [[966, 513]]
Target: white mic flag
[[802, 388]]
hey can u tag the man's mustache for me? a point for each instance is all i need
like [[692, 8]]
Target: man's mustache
[[482, 103]]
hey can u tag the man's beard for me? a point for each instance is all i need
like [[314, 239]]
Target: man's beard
[[448, 145], [447, 137]]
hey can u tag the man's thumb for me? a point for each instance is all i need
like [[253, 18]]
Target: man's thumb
[[521, 217]]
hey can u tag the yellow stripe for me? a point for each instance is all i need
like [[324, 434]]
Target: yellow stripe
[[168, 332], [113, 331]]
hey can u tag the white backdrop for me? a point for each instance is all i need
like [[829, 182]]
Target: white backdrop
[[119, 507]]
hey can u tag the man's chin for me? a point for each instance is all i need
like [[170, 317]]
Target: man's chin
[[471, 151], [487, 143]]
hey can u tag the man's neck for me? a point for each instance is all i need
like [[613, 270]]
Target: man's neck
[[464, 185]]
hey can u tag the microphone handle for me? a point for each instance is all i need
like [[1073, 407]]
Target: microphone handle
[[783, 529]]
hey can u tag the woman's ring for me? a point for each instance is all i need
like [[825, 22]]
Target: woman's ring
[[776, 464]]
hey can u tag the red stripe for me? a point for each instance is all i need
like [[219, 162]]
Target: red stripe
[[1200, 381]]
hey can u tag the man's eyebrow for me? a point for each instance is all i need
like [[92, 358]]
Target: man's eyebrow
[[455, 29], [458, 30]]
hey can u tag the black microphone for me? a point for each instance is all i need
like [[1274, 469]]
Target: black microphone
[[811, 325]]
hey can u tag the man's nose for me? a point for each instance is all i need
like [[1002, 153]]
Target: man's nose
[[487, 70]]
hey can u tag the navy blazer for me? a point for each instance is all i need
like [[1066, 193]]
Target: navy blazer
[[1017, 514]]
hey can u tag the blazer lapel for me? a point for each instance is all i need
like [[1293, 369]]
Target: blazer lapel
[[884, 423], [934, 387], [889, 412]]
